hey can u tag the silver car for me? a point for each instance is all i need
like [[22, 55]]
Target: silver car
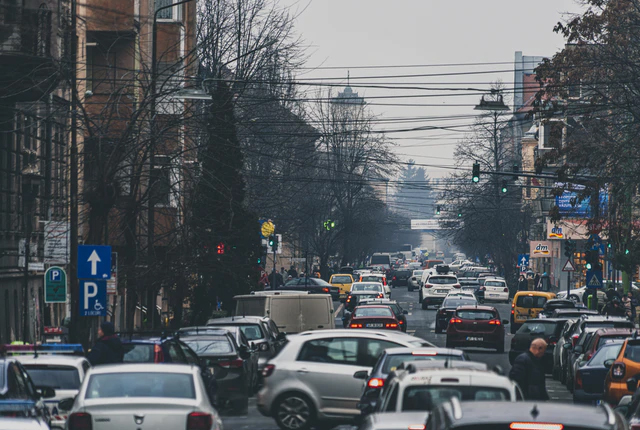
[[143, 396], [311, 379], [8, 423]]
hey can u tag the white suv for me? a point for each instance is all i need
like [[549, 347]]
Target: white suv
[[435, 288], [311, 379]]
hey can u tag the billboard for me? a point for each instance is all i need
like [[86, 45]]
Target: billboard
[[567, 229], [539, 249], [571, 207]]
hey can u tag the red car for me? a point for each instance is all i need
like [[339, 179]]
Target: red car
[[373, 317], [476, 326]]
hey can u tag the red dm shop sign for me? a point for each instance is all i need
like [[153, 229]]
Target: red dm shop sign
[[540, 249]]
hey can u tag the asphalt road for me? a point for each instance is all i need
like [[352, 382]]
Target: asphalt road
[[419, 323]]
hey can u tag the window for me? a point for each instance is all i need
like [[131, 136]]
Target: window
[[56, 377], [141, 384], [101, 70], [442, 280], [391, 402], [335, 351], [252, 331], [531, 301], [607, 352], [341, 280], [373, 312], [171, 13], [17, 383], [538, 328], [210, 345], [373, 350], [394, 361], [192, 358], [476, 315], [426, 397], [161, 181], [176, 354], [138, 353]]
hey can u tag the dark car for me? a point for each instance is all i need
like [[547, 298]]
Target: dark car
[[447, 309], [230, 364], [19, 397], [400, 277], [374, 317], [476, 326], [390, 360], [401, 314], [480, 415], [472, 286], [559, 352], [589, 379], [312, 285], [552, 305], [355, 297], [260, 331], [548, 329]]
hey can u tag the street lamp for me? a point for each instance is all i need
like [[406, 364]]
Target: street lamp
[[31, 179]]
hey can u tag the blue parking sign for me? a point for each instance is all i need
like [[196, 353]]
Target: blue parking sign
[[93, 298]]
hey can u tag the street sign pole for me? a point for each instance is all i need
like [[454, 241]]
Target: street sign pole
[[568, 284]]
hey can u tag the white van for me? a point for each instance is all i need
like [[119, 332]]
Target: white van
[[292, 313]]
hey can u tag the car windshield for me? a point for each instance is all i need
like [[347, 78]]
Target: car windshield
[[476, 315], [608, 324], [605, 340], [454, 302], [442, 280], [372, 312], [426, 397], [607, 352], [318, 281], [138, 352], [56, 377], [494, 284], [370, 278], [366, 287], [417, 272], [538, 327], [210, 345], [394, 361], [141, 384], [341, 280], [531, 301]]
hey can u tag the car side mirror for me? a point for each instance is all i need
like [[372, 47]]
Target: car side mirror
[[632, 384], [66, 404], [566, 346], [608, 363], [281, 336], [505, 322], [578, 349], [405, 312], [244, 352], [46, 392], [361, 374]]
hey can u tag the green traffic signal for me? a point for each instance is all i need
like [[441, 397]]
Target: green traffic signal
[[504, 186], [626, 251], [272, 240], [438, 210], [459, 214], [588, 266], [476, 172]]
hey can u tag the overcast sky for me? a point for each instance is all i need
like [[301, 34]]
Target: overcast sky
[[349, 34]]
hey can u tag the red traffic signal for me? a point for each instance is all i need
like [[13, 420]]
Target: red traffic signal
[[220, 248]]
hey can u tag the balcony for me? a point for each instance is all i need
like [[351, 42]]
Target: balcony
[[27, 70], [111, 16]]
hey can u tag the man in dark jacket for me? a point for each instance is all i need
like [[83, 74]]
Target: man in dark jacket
[[528, 371], [108, 348], [522, 284]]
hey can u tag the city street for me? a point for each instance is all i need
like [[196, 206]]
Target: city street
[[421, 324]]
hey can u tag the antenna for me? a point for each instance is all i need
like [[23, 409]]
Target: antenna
[[348, 77], [35, 350]]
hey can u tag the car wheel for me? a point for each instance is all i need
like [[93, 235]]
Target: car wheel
[[294, 411], [425, 305], [438, 328], [574, 298], [563, 376]]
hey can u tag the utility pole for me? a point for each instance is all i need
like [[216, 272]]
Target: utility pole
[[73, 184]]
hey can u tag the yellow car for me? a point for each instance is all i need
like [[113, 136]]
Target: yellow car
[[527, 305], [342, 281]]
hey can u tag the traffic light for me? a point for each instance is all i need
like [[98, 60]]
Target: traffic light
[[328, 224], [275, 242], [259, 260], [516, 170], [437, 210], [220, 248], [504, 187], [272, 240], [592, 260], [569, 248], [476, 172], [459, 214]]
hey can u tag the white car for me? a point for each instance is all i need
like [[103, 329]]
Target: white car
[[436, 288], [311, 381], [414, 280], [143, 395], [577, 294], [495, 289], [373, 287]]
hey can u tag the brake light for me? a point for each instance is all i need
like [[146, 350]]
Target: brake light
[[455, 321], [375, 383], [417, 427], [391, 325], [536, 426], [506, 290], [325, 290], [348, 299], [381, 296], [268, 370], [513, 305], [578, 380], [199, 421], [495, 322], [236, 364], [355, 325], [512, 312], [456, 285], [80, 421], [574, 339], [618, 370], [158, 355], [394, 278], [428, 285], [400, 322], [384, 281]]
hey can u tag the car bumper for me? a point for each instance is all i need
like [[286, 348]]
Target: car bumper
[[615, 392], [495, 296], [263, 402], [433, 300], [489, 340]]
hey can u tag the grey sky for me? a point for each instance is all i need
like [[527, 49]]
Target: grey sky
[[352, 33]]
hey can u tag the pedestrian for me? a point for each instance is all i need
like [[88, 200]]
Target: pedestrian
[[528, 371], [522, 284], [536, 282], [633, 304], [293, 272], [264, 280], [275, 279], [108, 349], [283, 273]]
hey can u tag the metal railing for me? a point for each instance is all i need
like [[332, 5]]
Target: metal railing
[[25, 31]]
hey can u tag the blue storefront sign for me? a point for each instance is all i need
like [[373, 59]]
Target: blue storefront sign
[[571, 207]]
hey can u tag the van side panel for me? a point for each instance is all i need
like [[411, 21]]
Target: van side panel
[[253, 306], [317, 313], [285, 312]]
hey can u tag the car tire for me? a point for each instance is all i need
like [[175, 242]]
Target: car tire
[[425, 305], [574, 298], [240, 407], [513, 328], [294, 411], [438, 328]]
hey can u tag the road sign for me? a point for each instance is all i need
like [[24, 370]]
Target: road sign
[[55, 285], [568, 267], [594, 279], [56, 242], [94, 262], [112, 284], [93, 298], [523, 260], [267, 228]]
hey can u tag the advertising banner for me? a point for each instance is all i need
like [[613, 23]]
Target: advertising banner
[[539, 249]]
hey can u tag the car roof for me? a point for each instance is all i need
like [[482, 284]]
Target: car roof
[[340, 332], [543, 320], [208, 329], [423, 350], [379, 301], [238, 320], [361, 293], [575, 416], [534, 293], [473, 307], [144, 367], [58, 359], [373, 306], [613, 331]]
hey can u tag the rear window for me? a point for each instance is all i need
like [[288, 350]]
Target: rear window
[[403, 273], [366, 287], [380, 259], [442, 280], [604, 340], [141, 384], [457, 301], [632, 351], [494, 284], [608, 324], [138, 353], [417, 272], [538, 327], [341, 280], [394, 361], [370, 278], [607, 352], [476, 315], [210, 345], [372, 312], [56, 377], [531, 301], [425, 397], [252, 331]]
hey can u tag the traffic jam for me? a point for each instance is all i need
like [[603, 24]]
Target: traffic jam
[[285, 356]]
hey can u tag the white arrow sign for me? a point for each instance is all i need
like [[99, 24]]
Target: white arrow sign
[[523, 262], [94, 259]]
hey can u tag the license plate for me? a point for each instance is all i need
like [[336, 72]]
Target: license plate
[[374, 325], [494, 295], [468, 289], [442, 291], [474, 339]]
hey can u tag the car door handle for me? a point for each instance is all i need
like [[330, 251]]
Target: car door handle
[[303, 371]]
